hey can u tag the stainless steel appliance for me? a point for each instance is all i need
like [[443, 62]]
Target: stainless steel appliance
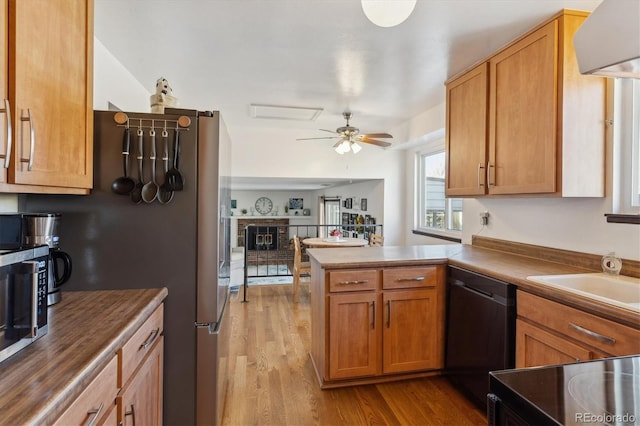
[[181, 242], [23, 298], [44, 228], [481, 315], [33, 229]]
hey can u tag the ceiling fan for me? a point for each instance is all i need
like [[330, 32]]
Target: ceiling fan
[[349, 136]]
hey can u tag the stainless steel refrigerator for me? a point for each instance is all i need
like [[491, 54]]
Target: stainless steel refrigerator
[[183, 244]]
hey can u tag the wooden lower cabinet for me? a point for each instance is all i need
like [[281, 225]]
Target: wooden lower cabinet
[[378, 323], [549, 333], [95, 404], [128, 391], [412, 337], [353, 335], [140, 402], [538, 347]]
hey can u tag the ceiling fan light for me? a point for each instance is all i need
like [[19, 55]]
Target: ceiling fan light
[[355, 147], [388, 13], [342, 147]]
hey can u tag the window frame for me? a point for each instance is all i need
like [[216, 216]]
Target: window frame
[[626, 152], [433, 148]]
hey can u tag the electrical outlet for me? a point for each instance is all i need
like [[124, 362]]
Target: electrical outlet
[[484, 218]]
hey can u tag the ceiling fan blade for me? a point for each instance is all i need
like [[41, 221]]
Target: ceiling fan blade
[[377, 135], [373, 141], [324, 137]]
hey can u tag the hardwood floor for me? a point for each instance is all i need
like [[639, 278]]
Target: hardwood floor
[[272, 380]]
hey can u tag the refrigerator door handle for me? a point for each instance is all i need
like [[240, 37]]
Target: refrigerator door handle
[[212, 326]]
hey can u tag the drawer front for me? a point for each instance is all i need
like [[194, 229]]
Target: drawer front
[[353, 280], [608, 336], [96, 401], [413, 277], [132, 353]]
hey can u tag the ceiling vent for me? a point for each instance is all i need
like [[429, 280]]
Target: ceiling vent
[[285, 112]]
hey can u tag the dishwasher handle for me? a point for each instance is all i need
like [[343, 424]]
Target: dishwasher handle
[[477, 291]]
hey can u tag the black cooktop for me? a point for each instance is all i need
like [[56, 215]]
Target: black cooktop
[[594, 392]]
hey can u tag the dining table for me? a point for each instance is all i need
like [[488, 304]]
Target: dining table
[[326, 242]]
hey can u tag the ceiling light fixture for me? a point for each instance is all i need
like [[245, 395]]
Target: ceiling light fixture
[[388, 13], [345, 145]]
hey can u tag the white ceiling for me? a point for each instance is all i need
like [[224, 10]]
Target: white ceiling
[[228, 54]]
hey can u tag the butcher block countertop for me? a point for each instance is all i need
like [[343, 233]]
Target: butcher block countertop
[[499, 264], [85, 330]]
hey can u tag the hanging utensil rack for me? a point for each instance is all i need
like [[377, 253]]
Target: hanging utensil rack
[[180, 124], [123, 120]]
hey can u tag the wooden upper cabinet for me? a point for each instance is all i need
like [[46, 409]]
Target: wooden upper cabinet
[[544, 128], [522, 139], [50, 69], [4, 89], [466, 133]]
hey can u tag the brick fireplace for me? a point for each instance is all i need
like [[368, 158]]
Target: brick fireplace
[[269, 239]]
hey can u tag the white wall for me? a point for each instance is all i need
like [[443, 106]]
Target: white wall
[[247, 199], [373, 191], [112, 82], [8, 203]]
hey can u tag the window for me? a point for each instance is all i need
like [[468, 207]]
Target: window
[[626, 151], [436, 213]]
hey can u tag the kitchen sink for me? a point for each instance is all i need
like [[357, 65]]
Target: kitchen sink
[[618, 290]]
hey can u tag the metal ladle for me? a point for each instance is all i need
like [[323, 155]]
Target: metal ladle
[[150, 189], [165, 195], [124, 184]]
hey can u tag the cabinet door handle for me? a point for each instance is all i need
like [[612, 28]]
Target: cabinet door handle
[[480, 183], [410, 279], [489, 184], [593, 334], [32, 140], [353, 282], [152, 338], [9, 133], [373, 315], [388, 313], [94, 413], [131, 413]]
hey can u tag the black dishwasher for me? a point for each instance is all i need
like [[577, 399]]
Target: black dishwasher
[[481, 321]]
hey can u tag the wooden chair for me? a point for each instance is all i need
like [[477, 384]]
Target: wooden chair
[[299, 267], [375, 240]]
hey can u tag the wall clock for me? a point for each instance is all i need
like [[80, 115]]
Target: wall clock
[[264, 205]]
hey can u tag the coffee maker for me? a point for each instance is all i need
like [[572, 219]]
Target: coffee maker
[[44, 228]]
